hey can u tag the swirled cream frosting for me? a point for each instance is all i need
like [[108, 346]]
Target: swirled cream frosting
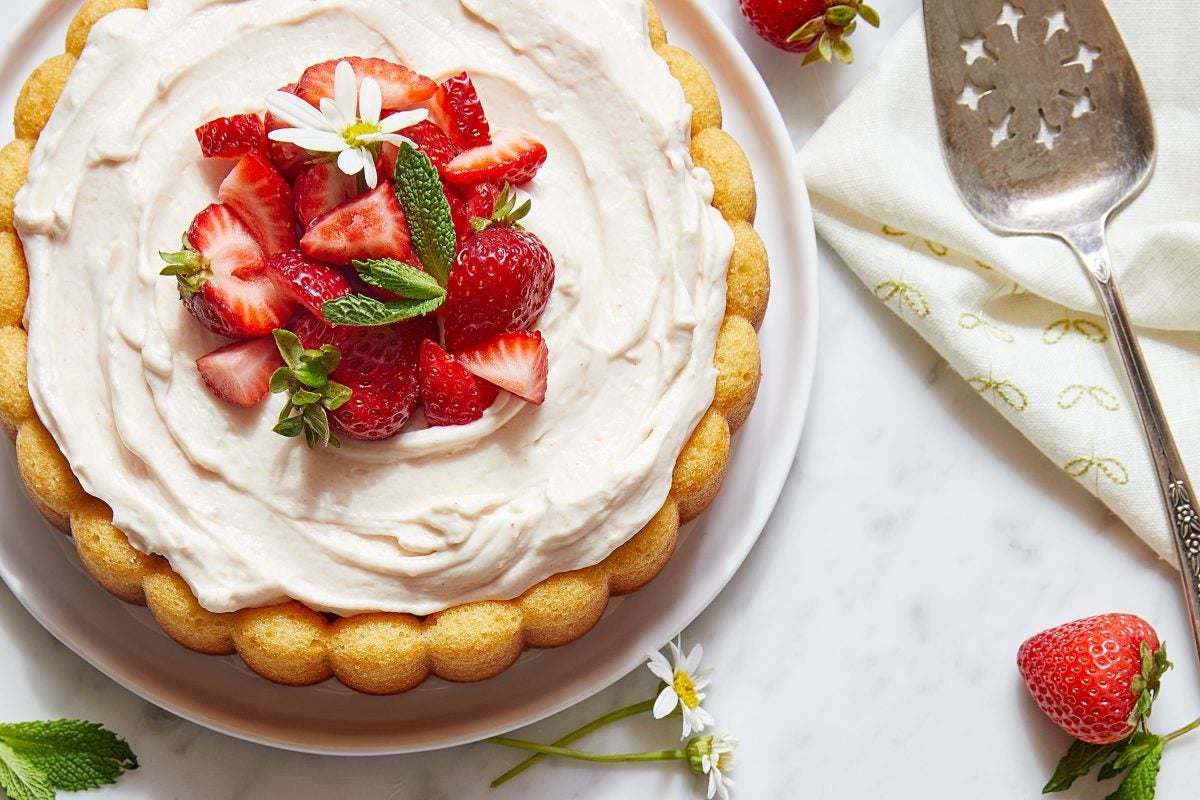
[[433, 517]]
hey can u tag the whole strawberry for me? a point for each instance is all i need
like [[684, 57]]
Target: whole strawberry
[[501, 281], [816, 27], [1091, 676]]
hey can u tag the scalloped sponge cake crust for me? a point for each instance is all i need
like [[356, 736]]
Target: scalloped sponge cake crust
[[388, 652]]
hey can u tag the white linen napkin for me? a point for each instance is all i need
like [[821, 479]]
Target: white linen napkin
[[1016, 316]]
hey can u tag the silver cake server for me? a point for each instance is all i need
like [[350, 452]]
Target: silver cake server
[[1046, 129]]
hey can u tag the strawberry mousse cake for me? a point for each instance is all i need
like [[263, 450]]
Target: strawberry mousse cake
[[370, 339]]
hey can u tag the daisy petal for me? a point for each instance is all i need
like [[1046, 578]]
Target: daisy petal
[[660, 667], [333, 115], [712, 784], [350, 161], [666, 702], [370, 101], [402, 119], [676, 655], [703, 679], [693, 659], [369, 171], [320, 141], [390, 138], [345, 89], [294, 111]]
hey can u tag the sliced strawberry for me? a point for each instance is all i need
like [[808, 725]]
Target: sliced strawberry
[[400, 87], [262, 198], [225, 304], [379, 365], [321, 188], [466, 204], [517, 362], [231, 137], [369, 226], [457, 110], [240, 373], [288, 158], [429, 139], [451, 394], [511, 158], [501, 281], [310, 282]]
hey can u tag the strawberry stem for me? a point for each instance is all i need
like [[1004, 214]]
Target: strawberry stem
[[1191, 726], [578, 733]]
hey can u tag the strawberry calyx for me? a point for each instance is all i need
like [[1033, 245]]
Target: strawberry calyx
[[311, 394], [189, 267], [829, 31], [506, 212], [1145, 685]]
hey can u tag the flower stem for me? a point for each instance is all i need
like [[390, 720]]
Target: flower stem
[[578, 733], [1191, 726], [551, 750]]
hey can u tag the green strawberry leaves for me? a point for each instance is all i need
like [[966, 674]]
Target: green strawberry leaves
[[419, 190], [311, 394], [422, 294], [37, 758], [1146, 685], [188, 267]]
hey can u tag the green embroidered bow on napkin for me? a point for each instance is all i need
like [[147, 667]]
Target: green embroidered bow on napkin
[[1016, 316]]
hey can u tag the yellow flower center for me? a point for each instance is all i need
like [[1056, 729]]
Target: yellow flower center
[[356, 130], [686, 689]]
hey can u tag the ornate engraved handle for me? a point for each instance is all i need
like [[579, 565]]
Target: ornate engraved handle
[[1177, 492]]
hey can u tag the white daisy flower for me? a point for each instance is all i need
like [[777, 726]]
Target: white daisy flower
[[716, 763], [683, 687], [347, 124]]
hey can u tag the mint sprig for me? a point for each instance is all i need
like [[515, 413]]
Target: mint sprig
[[311, 394], [422, 294], [419, 190], [37, 758]]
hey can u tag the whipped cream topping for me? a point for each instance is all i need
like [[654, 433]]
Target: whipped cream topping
[[433, 517]]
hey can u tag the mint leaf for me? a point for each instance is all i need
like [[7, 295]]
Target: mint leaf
[[310, 392], [1078, 761], [361, 311], [20, 779], [1140, 783], [290, 347], [398, 277], [1138, 746], [38, 757], [419, 190]]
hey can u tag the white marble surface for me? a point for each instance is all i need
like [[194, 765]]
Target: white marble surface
[[866, 649]]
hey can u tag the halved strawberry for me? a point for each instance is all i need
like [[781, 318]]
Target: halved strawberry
[[288, 158], [221, 245], [517, 362], [511, 158], [231, 137], [400, 87], [309, 282], [262, 198], [240, 373], [457, 111], [379, 365], [451, 394], [321, 188], [371, 225]]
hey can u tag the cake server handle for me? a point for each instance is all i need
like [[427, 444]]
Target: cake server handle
[[1177, 493]]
